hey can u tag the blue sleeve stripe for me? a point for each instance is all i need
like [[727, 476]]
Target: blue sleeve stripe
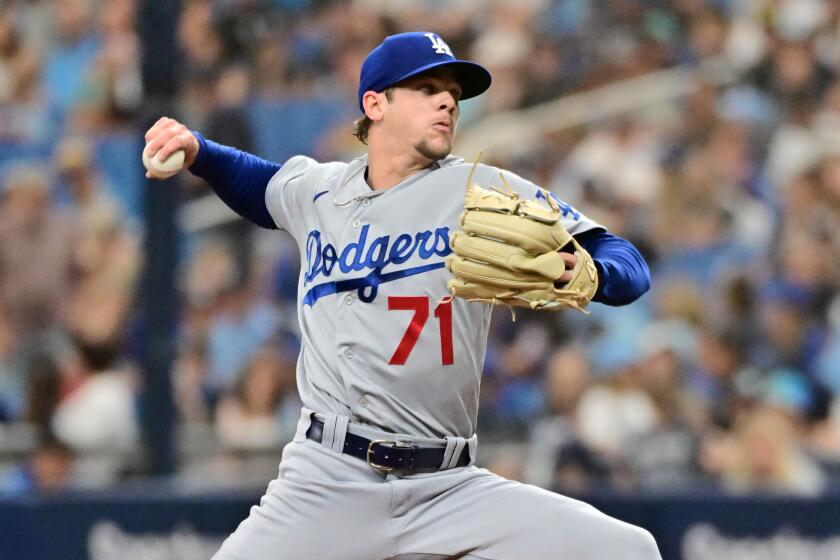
[[240, 179], [625, 275]]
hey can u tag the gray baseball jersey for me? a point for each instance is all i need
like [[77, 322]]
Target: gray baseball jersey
[[378, 343], [381, 352]]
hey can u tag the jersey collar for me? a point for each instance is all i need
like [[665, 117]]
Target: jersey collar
[[352, 185]]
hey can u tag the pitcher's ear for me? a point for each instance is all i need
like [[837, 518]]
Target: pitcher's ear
[[373, 104]]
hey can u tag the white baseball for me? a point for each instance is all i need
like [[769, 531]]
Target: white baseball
[[166, 168]]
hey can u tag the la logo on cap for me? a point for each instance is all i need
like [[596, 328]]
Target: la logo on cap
[[439, 44], [404, 55]]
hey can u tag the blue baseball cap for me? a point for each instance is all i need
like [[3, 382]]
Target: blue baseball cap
[[407, 54]]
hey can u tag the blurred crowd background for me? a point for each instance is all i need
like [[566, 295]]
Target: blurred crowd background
[[725, 376]]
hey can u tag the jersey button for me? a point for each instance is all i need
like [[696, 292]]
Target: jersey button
[[350, 299], [363, 401], [348, 354], [366, 201], [357, 224]]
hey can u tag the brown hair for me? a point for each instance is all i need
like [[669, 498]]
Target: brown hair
[[361, 126]]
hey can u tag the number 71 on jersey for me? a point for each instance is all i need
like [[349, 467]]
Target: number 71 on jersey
[[420, 305]]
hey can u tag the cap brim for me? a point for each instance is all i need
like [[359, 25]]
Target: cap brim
[[474, 78]]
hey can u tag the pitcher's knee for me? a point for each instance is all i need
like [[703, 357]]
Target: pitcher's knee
[[611, 539], [638, 544]]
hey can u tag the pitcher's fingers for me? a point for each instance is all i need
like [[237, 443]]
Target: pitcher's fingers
[[175, 143], [571, 261], [565, 277], [157, 127], [570, 258], [161, 133], [158, 141], [174, 136]]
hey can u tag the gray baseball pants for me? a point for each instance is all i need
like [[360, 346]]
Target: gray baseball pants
[[329, 506]]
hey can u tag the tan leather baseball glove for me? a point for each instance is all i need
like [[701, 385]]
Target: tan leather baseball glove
[[509, 253]]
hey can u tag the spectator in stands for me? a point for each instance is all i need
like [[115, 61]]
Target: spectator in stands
[[520, 364], [567, 375], [22, 112], [792, 333], [107, 255], [68, 64], [767, 457], [227, 314], [46, 382], [209, 273], [78, 180], [722, 361], [228, 118], [665, 457], [98, 418], [203, 53], [50, 469], [188, 381], [114, 92], [242, 325], [620, 161], [790, 72], [613, 413], [33, 290], [107, 251], [247, 416]]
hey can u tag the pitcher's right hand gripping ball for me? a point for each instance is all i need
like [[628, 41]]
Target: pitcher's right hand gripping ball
[[510, 253], [170, 147]]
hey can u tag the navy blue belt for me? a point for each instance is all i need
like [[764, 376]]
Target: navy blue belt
[[387, 455]]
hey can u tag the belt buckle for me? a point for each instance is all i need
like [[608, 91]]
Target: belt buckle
[[371, 445]]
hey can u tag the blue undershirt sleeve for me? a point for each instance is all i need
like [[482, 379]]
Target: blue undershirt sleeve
[[240, 179], [624, 274]]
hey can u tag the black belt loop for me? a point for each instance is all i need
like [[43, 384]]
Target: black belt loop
[[389, 455]]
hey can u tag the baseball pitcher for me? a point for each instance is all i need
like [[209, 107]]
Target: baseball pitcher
[[404, 252]]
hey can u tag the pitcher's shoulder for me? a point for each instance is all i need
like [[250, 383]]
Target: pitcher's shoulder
[[297, 165], [481, 173], [305, 171]]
